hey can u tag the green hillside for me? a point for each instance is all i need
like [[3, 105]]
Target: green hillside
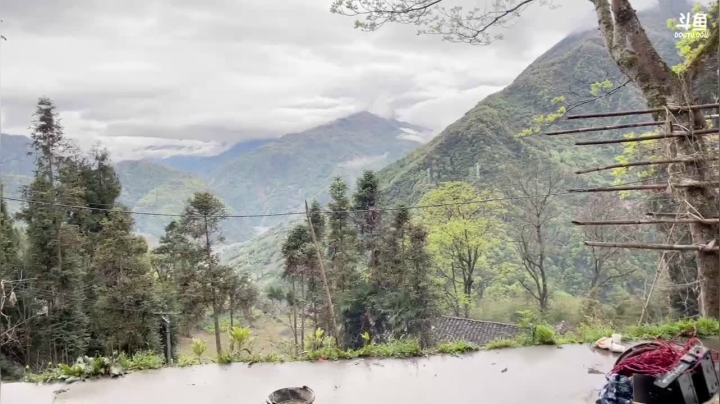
[[484, 140], [482, 147], [278, 176], [149, 187]]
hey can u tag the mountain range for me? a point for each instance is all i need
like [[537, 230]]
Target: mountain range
[[270, 176], [484, 145], [252, 177]]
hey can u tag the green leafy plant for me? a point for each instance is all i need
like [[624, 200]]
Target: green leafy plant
[[225, 358], [143, 360], [198, 347], [184, 361], [544, 334], [240, 340]]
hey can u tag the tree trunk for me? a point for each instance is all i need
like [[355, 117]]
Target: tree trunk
[[216, 320], [636, 57], [247, 313], [302, 313], [294, 314]]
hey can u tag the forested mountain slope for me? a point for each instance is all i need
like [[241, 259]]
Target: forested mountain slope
[[204, 166], [278, 176], [483, 144], [259, 176]]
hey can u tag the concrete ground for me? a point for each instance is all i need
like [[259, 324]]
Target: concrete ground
[[569, 374]]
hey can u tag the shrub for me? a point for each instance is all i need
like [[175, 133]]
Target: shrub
[[198, 347], [225, 358], [184, 361], [144, 360], [240, 340], [544, 335]]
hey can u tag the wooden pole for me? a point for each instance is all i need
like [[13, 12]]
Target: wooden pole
[[641, 163], [643, 138], [598, 128], [662, 214], [322, 274], [640, 112], [643, 221], [676, 247], [717, 122], [168, 346], [645, 187]]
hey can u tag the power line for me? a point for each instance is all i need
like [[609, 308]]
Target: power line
[[299, 213], [439, 205]]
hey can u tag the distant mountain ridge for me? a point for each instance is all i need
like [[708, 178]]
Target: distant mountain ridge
[[204, 166], [256, 176]]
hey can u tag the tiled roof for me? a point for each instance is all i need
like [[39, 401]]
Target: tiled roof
[[475, 331]]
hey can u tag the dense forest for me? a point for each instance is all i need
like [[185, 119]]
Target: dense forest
[[76, 281]]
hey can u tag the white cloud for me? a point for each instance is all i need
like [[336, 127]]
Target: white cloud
[[220, 71], [363, 161]]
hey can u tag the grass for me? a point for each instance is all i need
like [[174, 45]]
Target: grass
[[320, 347], [502, 343], [545, 335], [456, 347]]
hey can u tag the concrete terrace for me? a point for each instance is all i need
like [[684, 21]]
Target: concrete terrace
[[547, 374]]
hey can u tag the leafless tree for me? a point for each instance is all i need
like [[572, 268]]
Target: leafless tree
[[532, 211], [607, 264]]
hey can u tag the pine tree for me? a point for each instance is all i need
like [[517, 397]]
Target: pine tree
[[368, 220], [201, 222], [419, 283], [123, 318], [296, 251], [340, 239], [53, 245], [176, 262]]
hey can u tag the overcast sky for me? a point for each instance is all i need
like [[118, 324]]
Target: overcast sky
[[193, 74]]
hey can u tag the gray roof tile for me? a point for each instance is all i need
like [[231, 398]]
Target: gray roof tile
[[475, 331]]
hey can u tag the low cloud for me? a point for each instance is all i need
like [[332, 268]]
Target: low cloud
[[363, 161], [203, 74]]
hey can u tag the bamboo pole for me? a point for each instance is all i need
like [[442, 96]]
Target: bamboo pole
[[597, 128], [645, 187], [641, 163], [642, 246], [642, 221], [640, 139], [640, 112], [322, 274], [662, 214]]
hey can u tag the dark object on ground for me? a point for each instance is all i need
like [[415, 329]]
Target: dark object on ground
[[692, 381], [593, 371], [680, 392], [504, 370], [292, 395], [617, 390]]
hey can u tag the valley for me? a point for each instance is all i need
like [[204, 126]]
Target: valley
[[332, 225]]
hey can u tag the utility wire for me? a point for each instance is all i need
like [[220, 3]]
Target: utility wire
[[299, 213], [439, 205]]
